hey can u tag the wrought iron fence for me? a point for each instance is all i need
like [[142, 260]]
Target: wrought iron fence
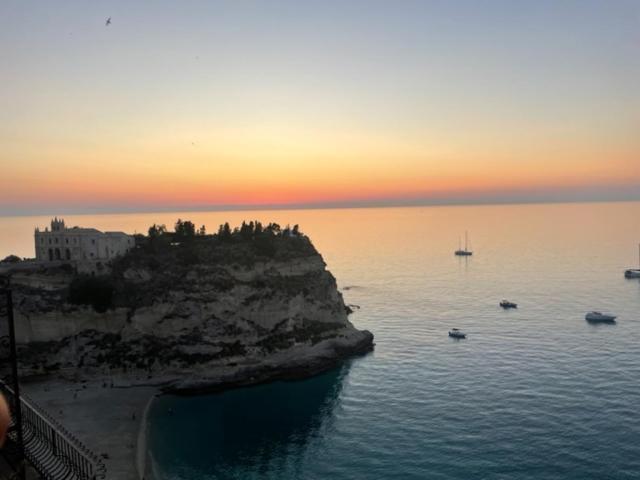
[[53, 451]]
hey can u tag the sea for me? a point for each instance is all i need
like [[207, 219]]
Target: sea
[[531, 393]]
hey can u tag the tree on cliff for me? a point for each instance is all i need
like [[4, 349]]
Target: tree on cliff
[[246, 230], [224, 232], [157, 230], [273, 228], [184, 230], [158, 238]]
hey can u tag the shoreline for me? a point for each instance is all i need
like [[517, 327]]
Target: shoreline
[[106, 420], [113, 420], [141, 446]]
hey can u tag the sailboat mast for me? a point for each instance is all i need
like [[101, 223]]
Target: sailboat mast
[[465, 241]]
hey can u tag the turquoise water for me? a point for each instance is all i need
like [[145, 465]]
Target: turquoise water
[[531, 393], [535, 393]]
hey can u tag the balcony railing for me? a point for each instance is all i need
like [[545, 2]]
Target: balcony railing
[[34, 435]]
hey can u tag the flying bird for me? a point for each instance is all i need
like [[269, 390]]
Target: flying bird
[[108, 22]]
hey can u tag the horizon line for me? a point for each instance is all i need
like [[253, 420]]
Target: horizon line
[[314, 206]]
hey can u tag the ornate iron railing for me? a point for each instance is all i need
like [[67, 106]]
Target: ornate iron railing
[[35, 435]]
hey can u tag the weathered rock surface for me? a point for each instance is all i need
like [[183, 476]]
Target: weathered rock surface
[[205, 314]]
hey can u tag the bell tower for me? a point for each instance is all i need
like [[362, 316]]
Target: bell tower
[[57, 225]]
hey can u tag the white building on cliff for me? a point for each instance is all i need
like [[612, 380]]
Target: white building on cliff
[[83, 247]]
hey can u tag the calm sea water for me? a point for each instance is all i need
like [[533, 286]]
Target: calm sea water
[[535, 393]]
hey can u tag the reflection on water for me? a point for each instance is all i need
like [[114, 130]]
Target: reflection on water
[[232, 435]]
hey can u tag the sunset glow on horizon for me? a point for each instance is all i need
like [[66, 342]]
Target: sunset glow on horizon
[[229, 103]]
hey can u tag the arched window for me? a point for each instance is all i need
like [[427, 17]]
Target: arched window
[[58, 257], [51, 254], [68, 254]]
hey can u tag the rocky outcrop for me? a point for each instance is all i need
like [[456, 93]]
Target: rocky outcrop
[[203, 314]]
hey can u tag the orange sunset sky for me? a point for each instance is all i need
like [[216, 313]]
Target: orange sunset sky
[[226, 104]]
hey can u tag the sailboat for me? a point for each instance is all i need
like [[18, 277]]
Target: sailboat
[[466, 252], [633, 272]]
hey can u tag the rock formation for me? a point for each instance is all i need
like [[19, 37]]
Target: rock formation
[[196, 313]]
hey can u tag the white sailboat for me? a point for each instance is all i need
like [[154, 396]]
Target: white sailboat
[[633, 272], [466, 252]]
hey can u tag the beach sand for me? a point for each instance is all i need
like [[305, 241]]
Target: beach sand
[[107, 420]]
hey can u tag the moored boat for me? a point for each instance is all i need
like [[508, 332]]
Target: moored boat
[[599, 317], [506, 304], [466, 252], [633, 272], [457, 333]]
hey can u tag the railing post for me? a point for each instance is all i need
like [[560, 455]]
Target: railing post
[[54, 447]]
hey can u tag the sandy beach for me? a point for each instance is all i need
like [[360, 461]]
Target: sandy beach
[[109, 421]]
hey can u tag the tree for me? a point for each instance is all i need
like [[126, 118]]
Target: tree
[[203, 231], [224, 232], [273, 228], [157, 230], [11, 259], [184, 229], [246, 230]]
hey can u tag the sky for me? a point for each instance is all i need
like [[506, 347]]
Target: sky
[[225, 104]]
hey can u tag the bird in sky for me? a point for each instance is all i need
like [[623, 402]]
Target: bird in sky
[[108, 22]]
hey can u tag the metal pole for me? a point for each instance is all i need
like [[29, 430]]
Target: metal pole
[[17, 407]]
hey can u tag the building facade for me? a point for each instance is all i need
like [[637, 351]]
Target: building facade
[[80, 246]]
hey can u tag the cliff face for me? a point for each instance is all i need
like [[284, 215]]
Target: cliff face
[[200, 314]]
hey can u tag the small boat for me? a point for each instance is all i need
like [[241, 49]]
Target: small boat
[[599, 317], [506, 304], [466, 252], [456, 333], [633, 272]]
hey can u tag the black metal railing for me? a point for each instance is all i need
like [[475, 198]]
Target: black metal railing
[[50, 448], [35, 435]]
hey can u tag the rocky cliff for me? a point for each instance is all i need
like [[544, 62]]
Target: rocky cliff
[[195, 313]]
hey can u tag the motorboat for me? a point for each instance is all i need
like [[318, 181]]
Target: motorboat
[[456, 333], [506, 304], [633, 272], [466, 252], [599, 317]]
